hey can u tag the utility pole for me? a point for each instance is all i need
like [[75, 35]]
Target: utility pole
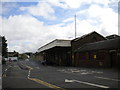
[[75, 26]]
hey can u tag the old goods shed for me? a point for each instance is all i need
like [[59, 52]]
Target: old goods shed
[[87, 38], [99, 54], [57, 52]]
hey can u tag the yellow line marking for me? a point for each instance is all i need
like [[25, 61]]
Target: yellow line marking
[[46, 84], [17, 67], [29, 67]]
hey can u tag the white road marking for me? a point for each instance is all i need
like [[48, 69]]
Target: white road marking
[[92, 84], [99, 72], [29, 73], [6, 69], [66, 80], [82, 71], [75, 71], [85, 73], [15, 66], [107, 78], [37, 67]]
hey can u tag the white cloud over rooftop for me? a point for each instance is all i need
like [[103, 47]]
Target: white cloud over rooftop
[[41, 9], [25, 32]]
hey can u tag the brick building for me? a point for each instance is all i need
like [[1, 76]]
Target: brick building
[[87, 38], [104, 53]]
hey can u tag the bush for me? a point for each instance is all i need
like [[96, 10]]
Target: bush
[[3, 61]]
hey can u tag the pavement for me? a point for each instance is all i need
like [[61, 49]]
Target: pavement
[[31, 74]]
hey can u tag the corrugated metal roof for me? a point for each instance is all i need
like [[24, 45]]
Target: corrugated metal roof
[[101, 45], [57, 42]]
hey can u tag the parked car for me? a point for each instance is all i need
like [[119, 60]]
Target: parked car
[[26, 59], [15, 60]]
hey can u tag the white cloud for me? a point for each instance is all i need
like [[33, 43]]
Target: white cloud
[[58, 3], [41, 9], [107, 17], [0, 25], [68, 20], [24, 30], [73, 3], [0, 8], [68, 4], [26, 33], [102, 18]]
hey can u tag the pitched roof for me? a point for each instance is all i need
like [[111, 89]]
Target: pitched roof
[[54, 43], [112, 36], [76, 39], [11, 54], [101, 45]]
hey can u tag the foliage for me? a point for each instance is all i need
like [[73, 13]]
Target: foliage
[[4, 47]]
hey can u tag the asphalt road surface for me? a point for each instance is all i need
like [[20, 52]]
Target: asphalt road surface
[[30, 74], [0, 76]]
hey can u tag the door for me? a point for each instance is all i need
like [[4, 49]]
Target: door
[[113, 59]]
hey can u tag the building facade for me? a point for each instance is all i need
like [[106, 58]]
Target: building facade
[[57, 52], [90, 50], [99, 54], [87, 38], [13, 56]]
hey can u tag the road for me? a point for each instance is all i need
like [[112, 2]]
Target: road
[[30, 74], [0, 76]]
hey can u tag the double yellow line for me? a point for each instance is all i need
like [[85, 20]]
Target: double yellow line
[[43, 82], [46, 84], [29, 67]]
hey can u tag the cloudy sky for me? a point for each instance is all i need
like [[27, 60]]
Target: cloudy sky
[[29, 25]]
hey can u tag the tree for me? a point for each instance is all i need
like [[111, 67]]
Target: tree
[[4, 47], [0, 49], [0, 45]]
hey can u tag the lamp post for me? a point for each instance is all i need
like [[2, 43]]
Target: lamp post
[[75, 26]]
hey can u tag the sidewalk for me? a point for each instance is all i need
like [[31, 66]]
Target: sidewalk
[[4, 66]]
